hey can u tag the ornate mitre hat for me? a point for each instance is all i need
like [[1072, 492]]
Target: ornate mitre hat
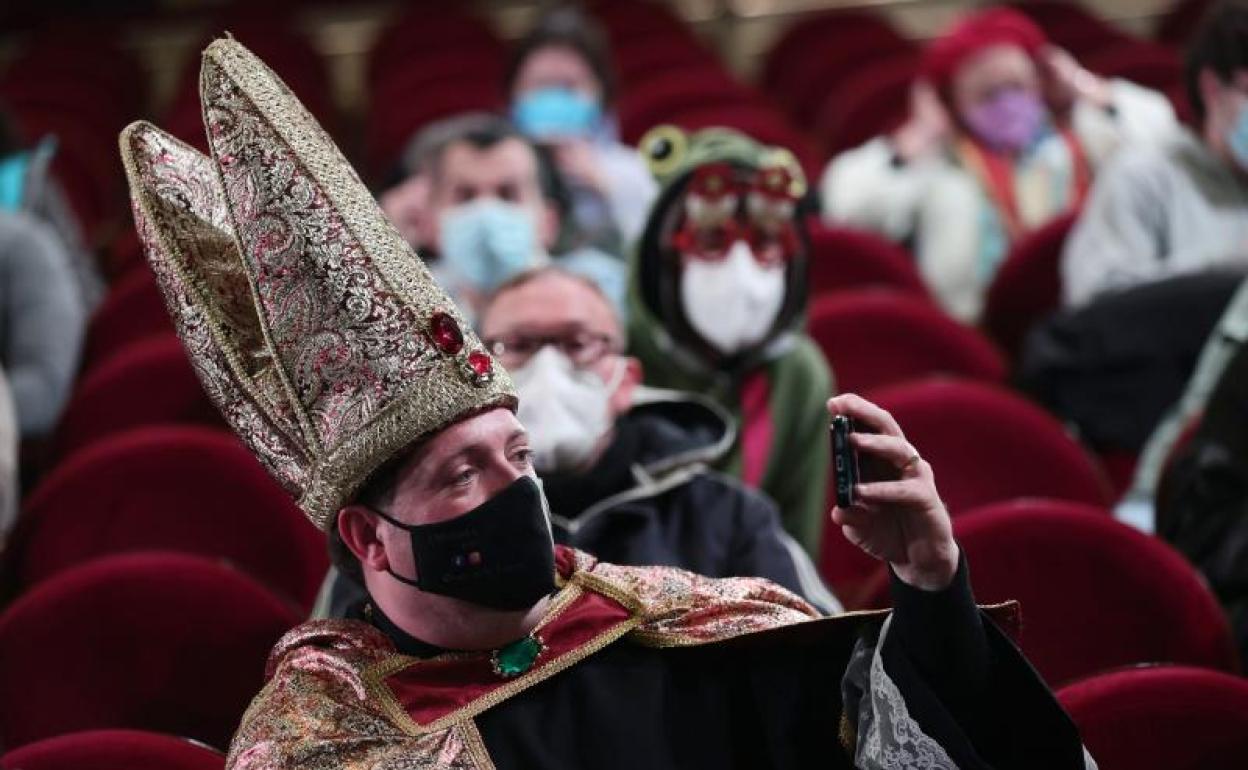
[[319, 334]]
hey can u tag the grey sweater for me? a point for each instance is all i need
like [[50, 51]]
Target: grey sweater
[[42, 320], [1153, 214]]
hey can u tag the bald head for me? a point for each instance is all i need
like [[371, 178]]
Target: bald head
[[550, 300]]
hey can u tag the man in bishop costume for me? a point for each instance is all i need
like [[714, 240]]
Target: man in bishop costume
[[333, 354]]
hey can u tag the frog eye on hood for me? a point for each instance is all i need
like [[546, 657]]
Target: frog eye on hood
[[664, 148]]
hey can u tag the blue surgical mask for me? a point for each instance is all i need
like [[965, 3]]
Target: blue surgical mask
[[13, 181], [487, 241], [1237, 138], [556, 113]]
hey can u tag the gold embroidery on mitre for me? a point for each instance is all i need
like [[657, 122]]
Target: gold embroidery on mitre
[[305, 313]]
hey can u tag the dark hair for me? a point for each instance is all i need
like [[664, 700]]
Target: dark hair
[[567, 27], [482, 130], [1221, 45], [377, 493]]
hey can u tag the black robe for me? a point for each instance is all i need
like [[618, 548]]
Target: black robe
[[734, 704]]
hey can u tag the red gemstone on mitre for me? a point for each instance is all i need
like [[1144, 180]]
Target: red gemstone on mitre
[[446, 334], [482, 365]]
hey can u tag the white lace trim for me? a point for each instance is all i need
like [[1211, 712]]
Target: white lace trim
[[888, 739]]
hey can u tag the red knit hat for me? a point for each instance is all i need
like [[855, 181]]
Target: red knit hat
[[996, 26]]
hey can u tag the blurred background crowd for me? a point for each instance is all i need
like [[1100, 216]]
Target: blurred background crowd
[[1021, 228]]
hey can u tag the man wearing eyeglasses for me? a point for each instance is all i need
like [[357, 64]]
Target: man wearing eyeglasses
[[625, 467]]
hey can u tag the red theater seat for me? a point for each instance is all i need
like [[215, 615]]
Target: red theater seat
[[112, 750], [392, 125], [987, 444], [1028, 285], [1095, 594], [844, 259], [174, 488], [1150, 65], [866, 103], [823, 33], [1180, 21], [418, 33], [877, 338], [132, 310], [151, 641], [852, 574], [1161, 718], [645, 107], [815, 71], [149, 382], [428, 70], [640, 64]]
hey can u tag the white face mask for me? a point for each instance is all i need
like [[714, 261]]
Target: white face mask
[[565, 409], [734, 302]]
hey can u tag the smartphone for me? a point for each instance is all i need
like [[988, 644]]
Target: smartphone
[[844, 460], [849, 469]]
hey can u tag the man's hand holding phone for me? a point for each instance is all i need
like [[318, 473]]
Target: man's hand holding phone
[[892, 510]]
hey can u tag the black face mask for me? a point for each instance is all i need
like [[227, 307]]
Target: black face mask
[[499, 555]]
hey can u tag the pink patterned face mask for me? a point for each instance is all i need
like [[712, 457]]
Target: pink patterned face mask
[[1009, 121]]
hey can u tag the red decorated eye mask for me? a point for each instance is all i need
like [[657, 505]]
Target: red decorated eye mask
[[723, 205]]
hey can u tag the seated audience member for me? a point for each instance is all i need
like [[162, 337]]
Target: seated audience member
[[1202, 498], [1113, 368], [718, 298], [481, 643], [562, 90], [27, 185], [42, 319], [624, 467], [488, 217], [1138, 505], [1005, 133], [1181, 207]]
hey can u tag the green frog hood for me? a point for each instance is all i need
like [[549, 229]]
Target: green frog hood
[[659, 328]]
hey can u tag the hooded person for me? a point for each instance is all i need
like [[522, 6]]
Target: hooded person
[[1005, 133], [717, 307], [340, 363]]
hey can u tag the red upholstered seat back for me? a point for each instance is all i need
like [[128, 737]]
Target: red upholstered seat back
[[867, 102], [877, 338], [149, 382], [1028, 285], [654, 103], [987, 444], [154, 641], [843, 259], [1095, 593], [111, 750], [132, 311], [1162, 718], [180, 488]]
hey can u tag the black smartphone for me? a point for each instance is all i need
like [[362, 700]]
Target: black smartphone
[[844, 460], [849, 469]]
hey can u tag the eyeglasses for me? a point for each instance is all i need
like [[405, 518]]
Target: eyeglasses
[[583, 348]]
